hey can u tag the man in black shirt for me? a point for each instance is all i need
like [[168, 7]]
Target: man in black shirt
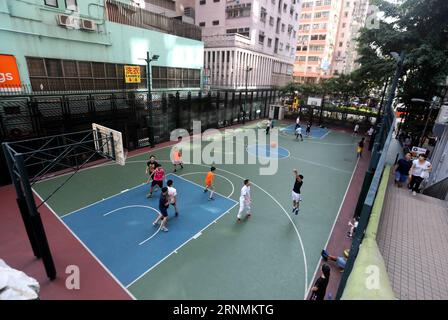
[[320, 287], [295, 194], [164, 203], [402, 170]]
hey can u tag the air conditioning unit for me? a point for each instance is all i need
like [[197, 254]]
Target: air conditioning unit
[[88, 25], [69, 21]]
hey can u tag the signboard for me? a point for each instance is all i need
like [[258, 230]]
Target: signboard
[[9, 73], [416, 151], [314, 101], [132, 74], [442, 118]]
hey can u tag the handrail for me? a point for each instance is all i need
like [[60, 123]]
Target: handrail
[[437, 190]]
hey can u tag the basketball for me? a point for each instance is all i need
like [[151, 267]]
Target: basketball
[[273, 144]]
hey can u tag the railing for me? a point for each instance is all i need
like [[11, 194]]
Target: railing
[[167, 4], [133, 16], [438, 190]]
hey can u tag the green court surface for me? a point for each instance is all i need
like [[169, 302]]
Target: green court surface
[[273, 255]]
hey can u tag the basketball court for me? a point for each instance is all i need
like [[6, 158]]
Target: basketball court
[[206, 254]]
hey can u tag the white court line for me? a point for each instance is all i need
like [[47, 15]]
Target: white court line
[[178, 248], [138, 206], [96, 202], [332, 228], [328, 132], [218, 175], [322, 165], [87, 248]]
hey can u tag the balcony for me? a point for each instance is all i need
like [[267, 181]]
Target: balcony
[[133, 16], [232, 40]]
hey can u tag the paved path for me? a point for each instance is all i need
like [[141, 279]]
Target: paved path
[[413, 238]]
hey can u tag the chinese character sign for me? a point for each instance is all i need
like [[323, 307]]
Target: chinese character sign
[[132, 74]]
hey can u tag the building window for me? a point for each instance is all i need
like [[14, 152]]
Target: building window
[[347, 4], [216, 0], [327, 2], [215, 22], [342, 35], [271, 21], [71, 5], [71, 75], [302, 58], [285, 7], [314, 37], [263, 14], [313, 58], [269, 42], [307, 5], [202, 2], [51, 3], [346, 14], [261, 38], [241, 31], [164, 77], [322, 36], [341, 44], [306, 16], [296, 16], [202, 24], [283, 27], [343, 25], [236, 12]]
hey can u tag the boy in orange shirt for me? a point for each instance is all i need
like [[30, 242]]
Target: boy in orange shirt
[[209, 183], [177, 159]]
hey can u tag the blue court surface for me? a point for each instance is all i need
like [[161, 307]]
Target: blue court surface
[[266, 151], [119, 230], [316, 132]]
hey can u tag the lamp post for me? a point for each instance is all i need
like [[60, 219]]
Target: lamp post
[[149, 98], [248, 69]]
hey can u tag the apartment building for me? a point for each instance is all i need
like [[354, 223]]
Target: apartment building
[[251, 40], [318, 25]]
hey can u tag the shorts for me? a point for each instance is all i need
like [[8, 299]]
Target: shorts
[[164, 212], [399, 177], [341, 262], [210, 186], [296, 196], [173, 203], [157, 183]]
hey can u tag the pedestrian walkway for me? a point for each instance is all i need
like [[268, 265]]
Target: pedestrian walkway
[[413, 237]]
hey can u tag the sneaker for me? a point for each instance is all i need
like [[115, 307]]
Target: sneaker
[[238, 220], [205, 190], [349, 235], [209, 199], [174, 170], [149, 195], [176, 214], [248, 216], [297, 211], [293, 209], [414, 193], [165, 229], [155, 224], [181, 166]]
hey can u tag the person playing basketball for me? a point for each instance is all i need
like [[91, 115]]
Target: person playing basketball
[[245, 201], [159, 176], [172, 194], [150, 167], [164, 203], [209, 179], [295, 194]]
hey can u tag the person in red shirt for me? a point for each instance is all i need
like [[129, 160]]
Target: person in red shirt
[[158, 177]]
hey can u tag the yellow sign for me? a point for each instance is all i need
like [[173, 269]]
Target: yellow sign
[[132, 74]]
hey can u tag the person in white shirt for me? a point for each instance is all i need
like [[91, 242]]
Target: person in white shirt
[[299, 133], [355, 130], [245, 200], [370, 132], [419, 171], [297, 122], [172, 194]]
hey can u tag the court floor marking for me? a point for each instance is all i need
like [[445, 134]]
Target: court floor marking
[[218, 175], [332, 228], [183, 244], [104, 199], [85, 247], [326, 134], [322, 165], [138, 206]]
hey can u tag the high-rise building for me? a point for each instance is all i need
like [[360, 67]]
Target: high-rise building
[[253, 39], [327, 38], [318, 26]]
